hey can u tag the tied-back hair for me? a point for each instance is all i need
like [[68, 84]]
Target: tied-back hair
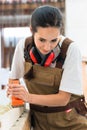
[[46, 16]]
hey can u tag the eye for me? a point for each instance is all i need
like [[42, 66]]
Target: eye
[[42, 40], [54, 40]]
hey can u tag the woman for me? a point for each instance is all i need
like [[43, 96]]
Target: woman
[[51, 67]]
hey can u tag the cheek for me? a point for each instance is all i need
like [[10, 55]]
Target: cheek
[[53, 46], [38, 44]]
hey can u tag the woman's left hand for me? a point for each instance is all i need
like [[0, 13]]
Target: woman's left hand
[[18, 91]]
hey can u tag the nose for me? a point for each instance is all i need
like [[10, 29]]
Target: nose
[[47, 46]]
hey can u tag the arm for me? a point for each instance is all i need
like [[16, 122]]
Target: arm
[[59, 99]]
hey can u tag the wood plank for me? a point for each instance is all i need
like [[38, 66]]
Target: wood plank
[[10, 117]]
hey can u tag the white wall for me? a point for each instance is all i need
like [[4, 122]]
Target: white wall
[[76, 23]]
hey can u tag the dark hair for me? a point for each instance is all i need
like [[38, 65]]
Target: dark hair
[[46, 16]]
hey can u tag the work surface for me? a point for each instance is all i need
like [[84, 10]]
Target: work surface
[[12, 118]]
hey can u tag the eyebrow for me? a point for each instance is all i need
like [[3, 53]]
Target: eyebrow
[[46, 39]]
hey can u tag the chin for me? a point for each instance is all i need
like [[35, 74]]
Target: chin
[[45, 52]]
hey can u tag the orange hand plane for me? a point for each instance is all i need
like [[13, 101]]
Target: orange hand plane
[[15, 102]]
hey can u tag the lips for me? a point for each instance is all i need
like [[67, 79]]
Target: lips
[[45, 51]]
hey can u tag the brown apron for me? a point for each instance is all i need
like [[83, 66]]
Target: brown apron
[[46, 80]]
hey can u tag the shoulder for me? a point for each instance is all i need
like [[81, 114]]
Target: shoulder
[[74, 50], [21, 43], [20, 47], [72, 46], [28, 41], [73, 56]]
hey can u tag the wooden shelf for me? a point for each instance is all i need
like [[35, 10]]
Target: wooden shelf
[[28, 6], [23, 9]]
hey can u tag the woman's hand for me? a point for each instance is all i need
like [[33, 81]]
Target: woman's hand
[[18, 91]]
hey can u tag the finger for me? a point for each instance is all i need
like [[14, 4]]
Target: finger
[[16, 86], [9, 91], [10, 86]]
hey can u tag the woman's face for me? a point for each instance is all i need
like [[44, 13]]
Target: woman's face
[[46, 39]]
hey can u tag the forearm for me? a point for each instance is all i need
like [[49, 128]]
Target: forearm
[[59, 99], [49, 100]]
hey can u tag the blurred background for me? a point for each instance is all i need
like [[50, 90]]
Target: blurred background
[[14, 25], [15, 20]]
